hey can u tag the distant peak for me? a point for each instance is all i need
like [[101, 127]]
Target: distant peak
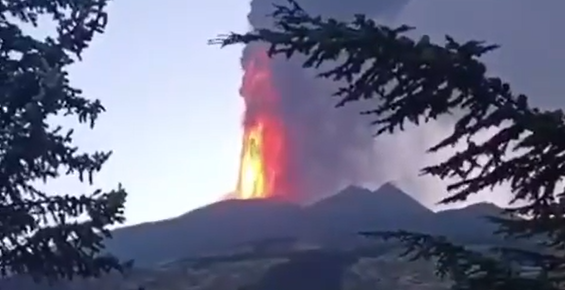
[[354, 189], [487, 207], [389, 187], [394, 195]]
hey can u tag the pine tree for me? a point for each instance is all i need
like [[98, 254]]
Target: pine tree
[[417, 81], [42, 234]]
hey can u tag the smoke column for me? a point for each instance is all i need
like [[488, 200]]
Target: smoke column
[[324, 148], [328, 148]]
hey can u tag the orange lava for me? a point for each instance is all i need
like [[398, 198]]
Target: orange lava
[[262, 160]]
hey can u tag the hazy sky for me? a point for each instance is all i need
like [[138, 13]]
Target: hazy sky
[[173, 107], [174, 111]]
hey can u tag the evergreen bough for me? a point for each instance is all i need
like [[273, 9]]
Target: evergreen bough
[[50, 236]]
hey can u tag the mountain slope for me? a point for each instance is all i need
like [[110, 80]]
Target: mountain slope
[[356, 209], [215, 227], [334, 221], [260, 244], [468, 224]]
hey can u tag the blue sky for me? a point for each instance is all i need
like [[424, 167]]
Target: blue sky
[[173, 108]]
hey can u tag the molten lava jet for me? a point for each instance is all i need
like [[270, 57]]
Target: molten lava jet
[[262, 170]]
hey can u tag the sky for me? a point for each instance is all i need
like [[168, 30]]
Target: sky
[[173, 107]]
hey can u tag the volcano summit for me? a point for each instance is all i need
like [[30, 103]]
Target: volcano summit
[[333, 221]]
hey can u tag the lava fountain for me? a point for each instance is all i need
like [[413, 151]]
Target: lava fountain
[[262, 170], [295, 145]]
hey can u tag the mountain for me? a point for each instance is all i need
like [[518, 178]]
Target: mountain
[[387, 207], [334, 221], [208, 229], [269, 244], [468, 224], [357, 209]]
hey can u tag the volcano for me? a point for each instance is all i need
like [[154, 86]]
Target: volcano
[[225, 226], [357, 209]]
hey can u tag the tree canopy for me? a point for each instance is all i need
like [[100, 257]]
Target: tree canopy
[[417, 81], [50, 235]]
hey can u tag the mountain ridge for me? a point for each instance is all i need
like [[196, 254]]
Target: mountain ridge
[[333, 221], [247, 235]]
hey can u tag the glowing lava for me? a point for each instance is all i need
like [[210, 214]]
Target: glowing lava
[[252, 173], [262, 164]]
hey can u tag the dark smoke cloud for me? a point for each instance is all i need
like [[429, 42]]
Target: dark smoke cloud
[[329, 148]]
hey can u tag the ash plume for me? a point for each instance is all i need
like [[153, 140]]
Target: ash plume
[[335, 146], [328, 148]]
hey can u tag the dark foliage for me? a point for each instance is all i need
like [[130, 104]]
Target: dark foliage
[[325, 270], [49, 235], [418, 81]]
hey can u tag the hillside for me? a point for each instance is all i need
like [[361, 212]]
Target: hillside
[[386, 208], [331, 270], [469, 224], [331, 222], [269, 245]]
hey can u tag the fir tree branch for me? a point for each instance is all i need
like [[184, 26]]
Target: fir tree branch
[[466, 268]]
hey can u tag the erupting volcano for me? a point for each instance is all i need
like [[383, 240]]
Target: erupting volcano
[[296, 145], [262, 169]]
